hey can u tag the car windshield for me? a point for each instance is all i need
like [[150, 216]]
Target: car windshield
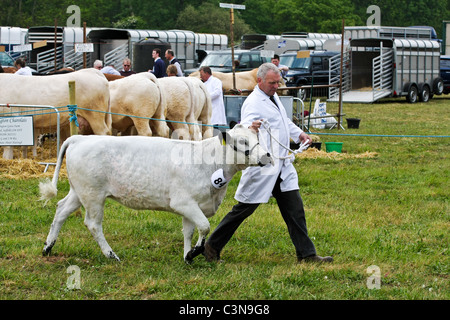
[[6, 60], [292, 62], [217, 60]]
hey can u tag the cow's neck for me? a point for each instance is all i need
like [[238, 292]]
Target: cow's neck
[[230, 168]]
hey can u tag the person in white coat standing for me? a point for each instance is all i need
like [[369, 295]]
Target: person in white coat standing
[[258, 184], [214, 87]]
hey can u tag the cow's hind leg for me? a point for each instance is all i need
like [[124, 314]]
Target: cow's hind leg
[[93, 221], [65, 207]]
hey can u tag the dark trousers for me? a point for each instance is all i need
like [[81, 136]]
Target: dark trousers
[[291, 207]]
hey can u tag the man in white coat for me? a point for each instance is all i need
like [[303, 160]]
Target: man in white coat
[[214, 87], [258, 184]]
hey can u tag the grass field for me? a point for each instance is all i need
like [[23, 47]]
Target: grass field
[[383, 216]]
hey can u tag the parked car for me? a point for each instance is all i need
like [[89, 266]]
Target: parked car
[[306, 71], [6, 60], [221, 61], [445, 73]]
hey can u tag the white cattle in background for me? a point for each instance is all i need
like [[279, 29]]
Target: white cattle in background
[[179, 111], [202, 107], [151, 173], [138, 95], [92, 92]]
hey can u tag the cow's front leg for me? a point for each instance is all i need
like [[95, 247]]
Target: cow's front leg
[[188, 232], [193, 217]]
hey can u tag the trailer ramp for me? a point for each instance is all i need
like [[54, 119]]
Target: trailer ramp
[[382, 71]]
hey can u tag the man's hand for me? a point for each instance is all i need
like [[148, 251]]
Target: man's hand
[[256, 125], [305, 138]]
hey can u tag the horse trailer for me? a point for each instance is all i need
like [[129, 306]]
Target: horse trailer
[[54, 47], [388, 62]]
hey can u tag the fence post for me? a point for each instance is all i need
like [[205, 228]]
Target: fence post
[[72, 102]]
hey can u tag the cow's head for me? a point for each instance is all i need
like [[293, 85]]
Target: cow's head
[[246, 148]]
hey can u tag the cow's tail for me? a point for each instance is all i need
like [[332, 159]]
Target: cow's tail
[[48, 189]]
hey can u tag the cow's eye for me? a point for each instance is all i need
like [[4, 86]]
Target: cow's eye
[[242, 141]]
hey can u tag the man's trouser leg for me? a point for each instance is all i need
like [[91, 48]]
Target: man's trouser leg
[[226, 228], [293, 213]]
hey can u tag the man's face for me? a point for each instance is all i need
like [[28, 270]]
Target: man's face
[[275, 61], [168, 56], [126, 66], [269, 85], [154, 55], [204, 76]]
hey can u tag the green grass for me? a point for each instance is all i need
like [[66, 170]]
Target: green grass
[[391, 211]]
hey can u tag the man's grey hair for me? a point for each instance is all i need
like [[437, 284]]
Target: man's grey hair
[[98, 63], [265, 68]]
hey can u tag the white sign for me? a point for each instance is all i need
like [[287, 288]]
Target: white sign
[[24, 47], [232, 6], [16, 131], [267, 53], [84, 47]]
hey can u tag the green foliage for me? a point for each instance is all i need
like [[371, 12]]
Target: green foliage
[[260, 16]]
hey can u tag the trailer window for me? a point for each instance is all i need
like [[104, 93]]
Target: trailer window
[[445, 64]]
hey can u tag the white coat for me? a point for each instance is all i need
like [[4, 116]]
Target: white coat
[[256, 184], [214, 86]]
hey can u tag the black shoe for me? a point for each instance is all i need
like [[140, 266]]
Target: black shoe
[[316, 259], [210, 253]]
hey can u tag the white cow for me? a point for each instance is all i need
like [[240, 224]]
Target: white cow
[[201, 102], [92, 92], [138, 95], [179, 109], [180, 176]]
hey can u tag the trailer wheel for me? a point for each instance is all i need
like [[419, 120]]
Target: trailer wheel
[[438, 86], [411, 97], [424, 92]]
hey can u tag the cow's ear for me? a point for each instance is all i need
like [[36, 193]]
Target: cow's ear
[[226, 138]]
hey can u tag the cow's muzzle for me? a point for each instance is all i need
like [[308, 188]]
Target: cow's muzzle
[[265, 160]]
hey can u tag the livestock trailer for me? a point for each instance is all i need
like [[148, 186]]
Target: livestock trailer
[[300, 41], [388, 62], [110, 45], [59, 41], [11, 37], [113, 45]]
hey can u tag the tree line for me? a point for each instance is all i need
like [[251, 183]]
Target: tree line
[[205, 16]]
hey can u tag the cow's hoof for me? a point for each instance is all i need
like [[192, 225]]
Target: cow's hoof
[[47, 249], [112, 255], [197, 250]]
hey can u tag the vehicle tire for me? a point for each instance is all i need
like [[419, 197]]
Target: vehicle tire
[[411, 97], [424, 92], [438, 86]]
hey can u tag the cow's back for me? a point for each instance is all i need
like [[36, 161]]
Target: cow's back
[[92, 92], [139, 172]]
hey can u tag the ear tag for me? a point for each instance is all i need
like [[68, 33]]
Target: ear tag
[[224, 143], [218, 179]]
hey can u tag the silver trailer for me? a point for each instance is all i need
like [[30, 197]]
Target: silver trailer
[[388, 62], [11, 37], [302, 41], [111, 45]]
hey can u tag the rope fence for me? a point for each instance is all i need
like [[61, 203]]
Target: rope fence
[[73, 108]]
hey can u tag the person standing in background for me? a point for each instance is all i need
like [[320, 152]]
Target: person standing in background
[[159, 67], [126, 71], [214, 87], [22, 69], [172, 60]]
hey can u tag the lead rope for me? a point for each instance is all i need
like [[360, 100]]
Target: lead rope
[[303, 146]]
